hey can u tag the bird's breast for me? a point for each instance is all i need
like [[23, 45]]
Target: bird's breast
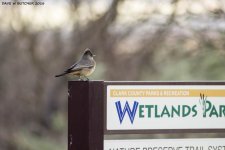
[[87, 71]]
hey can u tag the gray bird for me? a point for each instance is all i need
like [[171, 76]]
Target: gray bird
[[82, 68]]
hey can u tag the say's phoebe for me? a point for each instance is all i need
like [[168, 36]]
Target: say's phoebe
[[84, 67]]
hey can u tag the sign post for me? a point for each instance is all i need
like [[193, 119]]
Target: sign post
[[85, 115], [98, 109]]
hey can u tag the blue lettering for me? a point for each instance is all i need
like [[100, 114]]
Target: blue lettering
[[131, 113]]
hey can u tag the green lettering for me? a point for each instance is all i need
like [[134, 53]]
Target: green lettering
[[156, 112], [207, 108], [141, 111], [149, 107], [194, 111], [165, 112], [213, 112], [222, 110], [175, 111], [186, 110]]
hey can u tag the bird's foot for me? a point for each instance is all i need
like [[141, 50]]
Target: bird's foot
[[86, 78], [80, 79], [83, 79]]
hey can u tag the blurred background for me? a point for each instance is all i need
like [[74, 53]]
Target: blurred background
[[140, 40]]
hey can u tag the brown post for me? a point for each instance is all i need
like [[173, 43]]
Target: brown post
[[85, 112]]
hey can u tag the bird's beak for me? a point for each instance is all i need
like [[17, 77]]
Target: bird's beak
[[94, 55]]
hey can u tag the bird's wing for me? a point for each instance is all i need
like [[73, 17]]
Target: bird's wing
[[71, 67], [78, 66]]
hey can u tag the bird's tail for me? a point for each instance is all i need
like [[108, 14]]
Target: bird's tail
[[62, 74]]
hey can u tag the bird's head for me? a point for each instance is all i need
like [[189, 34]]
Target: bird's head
[[88, 53]]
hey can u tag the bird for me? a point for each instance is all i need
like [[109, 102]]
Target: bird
[[84, 67]]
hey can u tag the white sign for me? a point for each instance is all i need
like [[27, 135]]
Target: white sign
[[166, 144], [136, 107]]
